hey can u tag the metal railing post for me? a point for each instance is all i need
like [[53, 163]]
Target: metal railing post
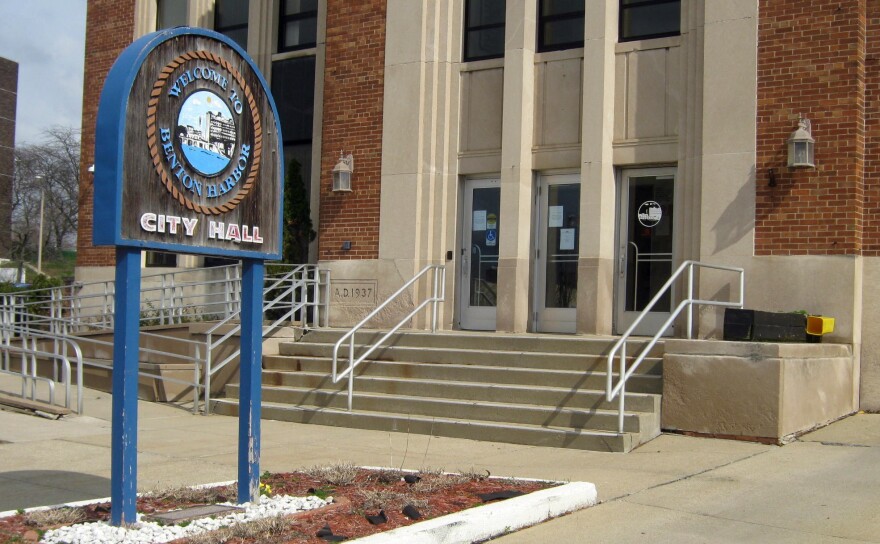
[[690, 296], [208, 372]]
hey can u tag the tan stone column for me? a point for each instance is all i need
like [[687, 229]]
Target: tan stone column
[[598, 186], [200, 13], [144, 18], [516, 167], [262, 34]]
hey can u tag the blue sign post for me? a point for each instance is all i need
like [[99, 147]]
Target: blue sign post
[[187, 159], [123, 454]]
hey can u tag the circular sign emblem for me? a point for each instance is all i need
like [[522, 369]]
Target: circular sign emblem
[[204, 132], [650, 213]]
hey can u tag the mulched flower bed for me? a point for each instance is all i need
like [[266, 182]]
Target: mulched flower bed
[[358, 494]]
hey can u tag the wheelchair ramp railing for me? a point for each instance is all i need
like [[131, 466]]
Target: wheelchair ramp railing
[[59, 325]]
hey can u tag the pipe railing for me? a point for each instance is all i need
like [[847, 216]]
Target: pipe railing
[[296, 292], [45, 324], [619, 348], [438, 295]]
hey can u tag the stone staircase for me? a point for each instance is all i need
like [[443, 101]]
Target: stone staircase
[[546, 390]]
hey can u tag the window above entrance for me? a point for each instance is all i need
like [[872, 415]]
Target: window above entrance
[[297, 25], [645, 19], [231, 19], [484, 29], [560, 24]]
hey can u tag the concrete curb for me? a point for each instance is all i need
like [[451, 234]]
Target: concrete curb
[[465, 527], [492, 520]]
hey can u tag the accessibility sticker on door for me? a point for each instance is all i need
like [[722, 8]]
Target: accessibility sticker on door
[[491, 237]]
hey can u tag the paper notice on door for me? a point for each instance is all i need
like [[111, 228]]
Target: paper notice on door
[[479, 220], [555, 217], [566, 239]]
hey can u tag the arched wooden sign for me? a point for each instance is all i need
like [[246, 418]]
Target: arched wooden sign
[[187, 154], [187, 159]]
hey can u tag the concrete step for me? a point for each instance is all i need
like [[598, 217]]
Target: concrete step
[[444, 426], [292, 353], [638, 383], [461, 390], [502, 342], [495, 412], [524, 389]]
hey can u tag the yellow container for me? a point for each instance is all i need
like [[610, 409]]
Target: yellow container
[[818, 325]]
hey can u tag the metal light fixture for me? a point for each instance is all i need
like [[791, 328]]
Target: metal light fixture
[[342, 173], [801, 146]]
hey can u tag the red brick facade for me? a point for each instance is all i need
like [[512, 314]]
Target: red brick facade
[[110, 29], [354, 88], [8, 103], [811, 62], [871, 241]]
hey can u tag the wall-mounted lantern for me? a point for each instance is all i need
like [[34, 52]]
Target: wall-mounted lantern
[[801, 146], [342, 173]]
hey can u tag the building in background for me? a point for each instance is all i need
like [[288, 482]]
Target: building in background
[[8, 102], [562, 158]]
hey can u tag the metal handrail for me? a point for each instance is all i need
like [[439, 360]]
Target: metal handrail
[[61, 315], [438, 295], [299, 278], [619, 390]]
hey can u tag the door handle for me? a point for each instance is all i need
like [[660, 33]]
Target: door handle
[[621, 266]]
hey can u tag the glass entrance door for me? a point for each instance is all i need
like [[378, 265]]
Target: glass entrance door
[[479, 254], [645, 247], [557, 253]]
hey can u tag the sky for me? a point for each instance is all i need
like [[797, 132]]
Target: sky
[[47, 40]]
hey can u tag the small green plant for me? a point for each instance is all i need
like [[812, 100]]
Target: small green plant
[[323, 492]]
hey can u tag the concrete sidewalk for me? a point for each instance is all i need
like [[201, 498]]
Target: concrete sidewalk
[[823, 488]]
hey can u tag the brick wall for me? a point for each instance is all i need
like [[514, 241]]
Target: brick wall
[[353, 93], [811, 61], [8, 102], [109, 29], [871, 238]]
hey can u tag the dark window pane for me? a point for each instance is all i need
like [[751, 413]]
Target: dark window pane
[[563, 33], [231, 18], [561, 7], [486, 12], [649, 19], [293, 86], [484, 29], [483, 44], [560, 24], [299, 33], [170, 13], [230, 13], [295, 7], [157, 259], [238, 35], [297, 24]]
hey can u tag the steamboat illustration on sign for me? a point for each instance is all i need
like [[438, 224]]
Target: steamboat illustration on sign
[[204, 132]]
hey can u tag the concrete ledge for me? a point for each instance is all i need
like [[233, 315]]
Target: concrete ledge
[[492, 520], [755, 390]]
